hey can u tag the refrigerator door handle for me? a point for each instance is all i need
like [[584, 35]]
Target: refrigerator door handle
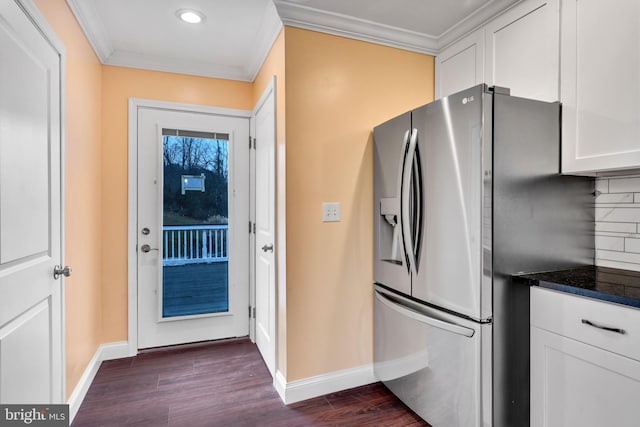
[[405, 195], [424, 318], [398, 225], [403, 158]]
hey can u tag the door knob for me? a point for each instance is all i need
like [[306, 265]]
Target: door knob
[[266, 248], [147, 248], [58, 271]]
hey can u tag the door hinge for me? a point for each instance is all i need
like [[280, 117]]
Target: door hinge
[[250, 227], [249, 312], [254, 228], [254, 143], [254, 312]]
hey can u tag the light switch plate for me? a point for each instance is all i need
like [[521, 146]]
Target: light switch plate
[[331, 212]]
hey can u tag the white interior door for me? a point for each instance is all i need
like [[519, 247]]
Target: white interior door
[[265, 266], [31, 361], [192, 239]]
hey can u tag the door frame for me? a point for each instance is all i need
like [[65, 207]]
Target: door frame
[[39, 21], [132, 209]]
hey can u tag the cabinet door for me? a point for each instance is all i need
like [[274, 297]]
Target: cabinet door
[[575, 384], [600, 75], [522, 50], [461, 65]]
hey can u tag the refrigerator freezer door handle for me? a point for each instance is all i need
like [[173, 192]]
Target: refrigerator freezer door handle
[[407, 172], [420, 317]]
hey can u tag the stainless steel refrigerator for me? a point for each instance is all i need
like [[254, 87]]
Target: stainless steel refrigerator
[[467, 192]]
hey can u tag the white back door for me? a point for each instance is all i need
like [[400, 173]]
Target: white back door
[[31, 350], [192, 238]]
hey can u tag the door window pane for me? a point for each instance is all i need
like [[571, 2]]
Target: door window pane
[[195, 249]]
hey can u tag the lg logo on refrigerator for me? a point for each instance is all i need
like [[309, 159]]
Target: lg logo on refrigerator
[[467, 100]]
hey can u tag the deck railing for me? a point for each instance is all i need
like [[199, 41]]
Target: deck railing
[[193, 244]]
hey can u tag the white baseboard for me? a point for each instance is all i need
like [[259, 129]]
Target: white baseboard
[[116, 350], [320, 385]]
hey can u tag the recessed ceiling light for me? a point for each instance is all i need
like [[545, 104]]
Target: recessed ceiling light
[[190, 16]]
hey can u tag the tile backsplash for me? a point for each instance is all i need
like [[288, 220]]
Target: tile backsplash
[[617, 212]]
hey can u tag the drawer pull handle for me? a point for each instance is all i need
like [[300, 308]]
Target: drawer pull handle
[[606, 328]]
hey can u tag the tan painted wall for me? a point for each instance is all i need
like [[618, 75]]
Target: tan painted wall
[[83, 221], [274, 65], [118, 85], [337, 90]]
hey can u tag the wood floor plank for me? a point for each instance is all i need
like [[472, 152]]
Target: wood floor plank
[[223, 383]]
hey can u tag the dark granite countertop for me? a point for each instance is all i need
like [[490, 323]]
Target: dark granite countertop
[[608, 284]]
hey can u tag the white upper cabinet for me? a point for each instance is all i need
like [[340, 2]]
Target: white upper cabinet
[[461, 65], [600, 74], [585, 53], [522, 50], [519, 50]]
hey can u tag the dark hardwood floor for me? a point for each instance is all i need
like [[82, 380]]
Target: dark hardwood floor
[[223, 383]]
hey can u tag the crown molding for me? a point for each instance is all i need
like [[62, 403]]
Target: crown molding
[[93, 28], [266, 37], [277, 14], [122, 58], [97, 36], [296, 15], [474, 21]]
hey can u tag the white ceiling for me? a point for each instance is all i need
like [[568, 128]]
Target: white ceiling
[[237, 34]]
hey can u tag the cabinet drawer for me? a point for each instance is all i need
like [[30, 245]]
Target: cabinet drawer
[[568, 315]]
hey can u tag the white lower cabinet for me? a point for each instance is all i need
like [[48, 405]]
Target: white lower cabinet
[[576, 377], [576, 384]]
